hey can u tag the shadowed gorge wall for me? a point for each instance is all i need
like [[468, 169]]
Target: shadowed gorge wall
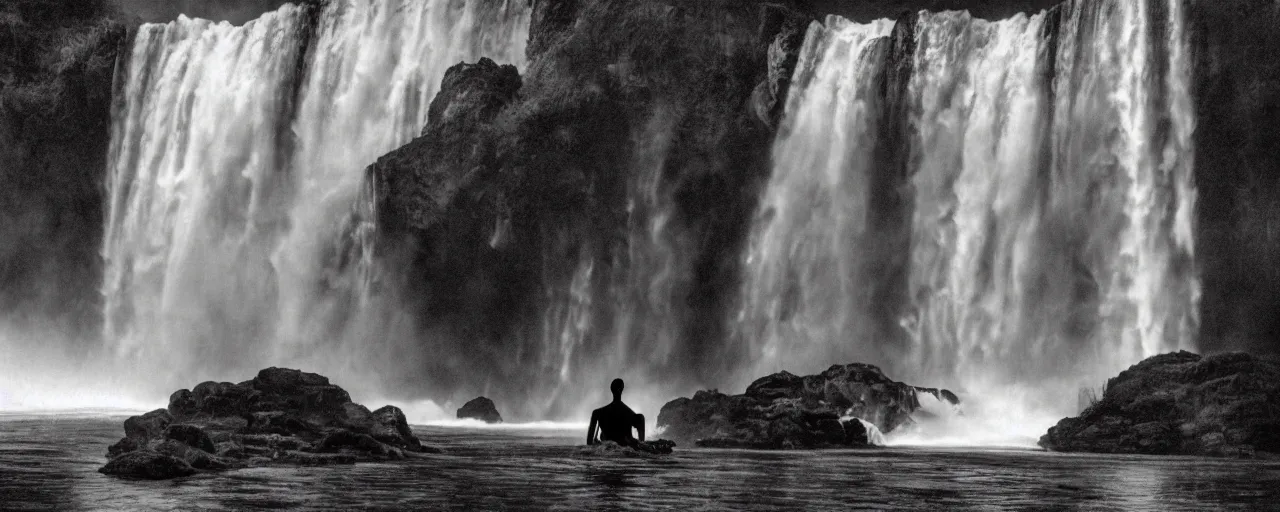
[[56, 64], [590, 227], [1238, 172]]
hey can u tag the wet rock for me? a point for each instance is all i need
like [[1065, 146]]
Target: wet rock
[[122, 446], [390, 426], [190, 435], [612, 449], [481, 409], [148, 425], [786, 411], [281, 416], [1181, 403], [147, 464], [197, 458], [183, 403], [784, 31], [473, 93]]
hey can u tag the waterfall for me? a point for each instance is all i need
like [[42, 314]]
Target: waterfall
[[237, 172], [1045, 196], [804, 293]]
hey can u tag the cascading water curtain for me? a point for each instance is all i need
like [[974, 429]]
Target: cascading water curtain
[[238, 160], [1048, 185]]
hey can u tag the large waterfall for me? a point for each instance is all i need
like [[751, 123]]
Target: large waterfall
[[237, 156], [986, 205], [971, 204]]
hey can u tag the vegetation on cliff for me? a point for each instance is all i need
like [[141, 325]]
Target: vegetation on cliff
[[56, 66]]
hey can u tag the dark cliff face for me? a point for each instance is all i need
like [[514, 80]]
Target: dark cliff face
[[506, 195], [56, 65], [1237, 79]]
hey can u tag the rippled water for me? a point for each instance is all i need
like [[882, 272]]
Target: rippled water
[[50, 463]]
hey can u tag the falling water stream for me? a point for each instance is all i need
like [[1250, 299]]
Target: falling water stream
[[237, 163], [1048, 192], [969, 204]]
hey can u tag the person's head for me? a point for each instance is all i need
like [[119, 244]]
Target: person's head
[[616, 388]]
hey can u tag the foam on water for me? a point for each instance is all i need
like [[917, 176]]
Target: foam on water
[[998, 421]]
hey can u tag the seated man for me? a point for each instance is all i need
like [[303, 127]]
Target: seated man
[[615, 421]]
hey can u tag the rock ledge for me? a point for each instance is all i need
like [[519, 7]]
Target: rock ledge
[[482, 409], [1181, 404], [282, 416], [784, 411]]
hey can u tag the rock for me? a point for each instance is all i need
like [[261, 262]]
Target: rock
[[294, 390], [278, 417], [190, 435], [183, 403], [612, 449], [199, 459], [784, 29], [473, 93], [390, 426], [147, 464], [148, 425], [123, 446], [481, 409], [1184, 404], [785, 411]]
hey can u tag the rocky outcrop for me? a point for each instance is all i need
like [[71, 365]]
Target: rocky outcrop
[[626, 111], [148, 464], [787, 411], [610, 449], [482, 409], [1184, 404], [282, 416], [788, 29]]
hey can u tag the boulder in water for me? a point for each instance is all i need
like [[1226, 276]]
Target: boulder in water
[[147, 464], [1183, 404], [643, 449], [482, 409], [787, 411], [282, 416]]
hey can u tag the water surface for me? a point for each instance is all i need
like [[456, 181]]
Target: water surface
[[50, 462]]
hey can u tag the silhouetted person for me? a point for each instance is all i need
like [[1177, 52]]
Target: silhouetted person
[[616, 421]]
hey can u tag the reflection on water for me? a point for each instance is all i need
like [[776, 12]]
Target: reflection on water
[[51, 462]]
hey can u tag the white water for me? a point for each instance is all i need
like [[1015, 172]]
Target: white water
[[803, 301], [1050, 216], [998, 421], [237, 163]]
